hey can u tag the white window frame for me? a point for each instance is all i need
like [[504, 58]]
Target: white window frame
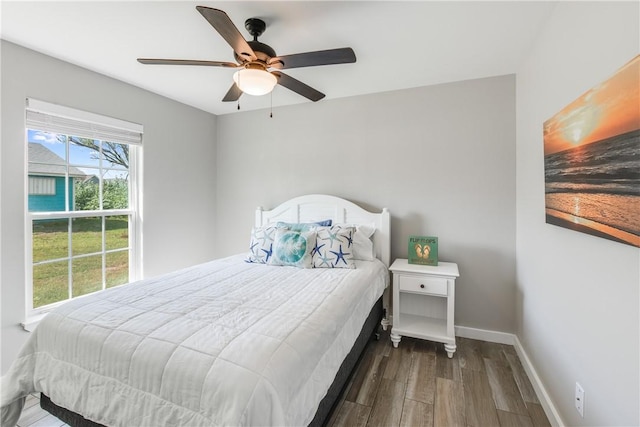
[[58, 119]]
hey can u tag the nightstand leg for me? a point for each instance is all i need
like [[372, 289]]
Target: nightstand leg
[[385, 323], [395, 339], [450, 349]]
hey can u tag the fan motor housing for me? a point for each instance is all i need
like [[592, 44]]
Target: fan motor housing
[[263, 52]]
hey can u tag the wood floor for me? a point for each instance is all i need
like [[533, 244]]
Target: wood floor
[[416, 384], [34, 416]]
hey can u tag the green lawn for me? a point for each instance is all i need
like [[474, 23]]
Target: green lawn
[[51, 241]]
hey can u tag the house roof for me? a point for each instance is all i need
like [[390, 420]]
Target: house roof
[[43, 161]]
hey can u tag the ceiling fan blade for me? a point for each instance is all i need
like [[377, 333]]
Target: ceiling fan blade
[[343, 55], [152, 61], [233, 94], [223, 25], [298, 87]]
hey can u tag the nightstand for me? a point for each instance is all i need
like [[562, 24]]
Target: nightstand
[[423, 302]]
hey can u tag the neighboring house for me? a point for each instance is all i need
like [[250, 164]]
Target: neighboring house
[[91, 179], [47, 180]]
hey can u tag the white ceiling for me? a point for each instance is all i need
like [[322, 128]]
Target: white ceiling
[[398, 45]]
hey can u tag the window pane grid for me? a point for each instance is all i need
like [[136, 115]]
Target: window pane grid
[[79, 214], [95, 201], [84, 269], [54, 260]]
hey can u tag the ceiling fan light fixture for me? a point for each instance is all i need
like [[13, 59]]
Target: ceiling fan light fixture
[[255, 82]]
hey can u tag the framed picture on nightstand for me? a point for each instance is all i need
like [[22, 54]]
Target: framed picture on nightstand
[[423, 250]]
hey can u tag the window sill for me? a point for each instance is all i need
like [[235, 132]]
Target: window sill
[[31, 322]]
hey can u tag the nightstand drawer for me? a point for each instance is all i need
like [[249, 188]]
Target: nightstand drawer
[[427, 285]]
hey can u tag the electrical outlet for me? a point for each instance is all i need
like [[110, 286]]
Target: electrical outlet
[[579, 399]]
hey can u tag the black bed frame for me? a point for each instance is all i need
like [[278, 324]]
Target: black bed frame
[[327, 404]]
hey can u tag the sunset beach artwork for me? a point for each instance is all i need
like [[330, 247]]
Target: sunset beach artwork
[[592, 160]]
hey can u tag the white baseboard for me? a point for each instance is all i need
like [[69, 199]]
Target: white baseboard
[[549, 408], [484, 335]]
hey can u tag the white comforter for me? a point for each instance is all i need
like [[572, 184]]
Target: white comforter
[[222, 343]]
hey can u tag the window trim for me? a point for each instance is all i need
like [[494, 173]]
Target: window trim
[[55, 118], [104, 124]]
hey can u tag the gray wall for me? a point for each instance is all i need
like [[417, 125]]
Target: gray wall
[[578, 295], [178, 173], [441, 158]]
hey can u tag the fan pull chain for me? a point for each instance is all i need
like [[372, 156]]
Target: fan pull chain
[[239, 76], [271, 111]]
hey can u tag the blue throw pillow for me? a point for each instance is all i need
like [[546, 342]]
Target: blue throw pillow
[[303, 226]]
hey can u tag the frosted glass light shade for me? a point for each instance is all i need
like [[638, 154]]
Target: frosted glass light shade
[[255, 82]]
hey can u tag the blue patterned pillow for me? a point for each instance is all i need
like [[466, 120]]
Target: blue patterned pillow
[[293, 248], [334, 247], [261, 246], [303, 226]]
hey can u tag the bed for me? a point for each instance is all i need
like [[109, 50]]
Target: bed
[[227, 342]]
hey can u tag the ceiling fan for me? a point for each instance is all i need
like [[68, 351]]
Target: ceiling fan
[[258, 63]]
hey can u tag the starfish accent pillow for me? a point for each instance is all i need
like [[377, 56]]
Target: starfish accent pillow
[[261, 245], [334, 247]]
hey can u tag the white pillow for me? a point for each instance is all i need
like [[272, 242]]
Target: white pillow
[[334, 247], [362, 241], [293, 248]]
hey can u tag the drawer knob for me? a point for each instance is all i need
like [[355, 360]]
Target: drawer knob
[[421, 286]]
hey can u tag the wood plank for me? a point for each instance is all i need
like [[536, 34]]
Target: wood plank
[[359, 376], [493, 351], [399, 363], [350, 414], [480, 408], [421, 383], [449, 406], [504, 388], [387, 409], [509, 349], [416, 414], [522, 380], [335, 411], [48, 421], [421, 346], [31, 415], [30, 401], [509, 419], [445, 367], [365, 385], [538, 417], [469, 355], [383, 345]]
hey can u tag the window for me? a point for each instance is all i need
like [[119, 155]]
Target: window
[[82, 210], [39, 186]]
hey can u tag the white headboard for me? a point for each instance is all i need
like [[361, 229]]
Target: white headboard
[[317, 207]]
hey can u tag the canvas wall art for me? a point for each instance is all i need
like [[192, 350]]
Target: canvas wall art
[[592, 160]]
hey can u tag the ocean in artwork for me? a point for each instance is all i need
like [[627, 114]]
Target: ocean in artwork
[[595, 188]]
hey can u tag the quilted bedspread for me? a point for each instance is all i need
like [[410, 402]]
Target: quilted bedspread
[[222, 343]]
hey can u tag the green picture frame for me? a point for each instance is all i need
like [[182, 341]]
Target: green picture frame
[[423, 250]]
